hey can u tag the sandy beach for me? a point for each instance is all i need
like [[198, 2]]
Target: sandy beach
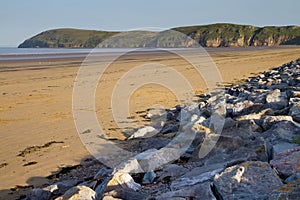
[[38, 134]]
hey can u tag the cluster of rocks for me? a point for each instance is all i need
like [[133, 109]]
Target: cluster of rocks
[[252, 153]]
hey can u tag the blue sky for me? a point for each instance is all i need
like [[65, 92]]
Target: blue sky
[[21, 19]]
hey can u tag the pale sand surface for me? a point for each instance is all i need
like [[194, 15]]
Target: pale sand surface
[[36, 105]]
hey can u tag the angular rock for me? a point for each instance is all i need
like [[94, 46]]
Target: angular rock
[[100, 189], [121, 193], [79, 192], [124, 180], [266, 122], [258, 96], [295, 110], [246, 181], [195, 176], [172, 171], [229, 123], [198, 191], [62, 186], [38, 194], [234, 146], [281, 147], [132, 165], [249, 124], [287, 163], [240, 107], [110, 198], [169, 128], [145, 132], [287, 191], [256, 116], [103, 172], [149, 177], [292, 178], [154, 142], [158, 158], [277, 100]]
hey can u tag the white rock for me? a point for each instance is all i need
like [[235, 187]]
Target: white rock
[[79, 193], [125, 180], [145, 132]]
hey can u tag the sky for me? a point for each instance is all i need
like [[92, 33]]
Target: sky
[[22, 19]]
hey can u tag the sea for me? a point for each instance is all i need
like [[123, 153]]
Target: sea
[[14, 53]]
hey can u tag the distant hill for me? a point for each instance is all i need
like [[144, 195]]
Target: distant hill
[[68, 38], [213, 35]]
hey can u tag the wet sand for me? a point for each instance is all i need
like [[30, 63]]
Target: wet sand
[[38, 135]]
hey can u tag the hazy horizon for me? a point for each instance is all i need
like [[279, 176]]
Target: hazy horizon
[[21, 20]]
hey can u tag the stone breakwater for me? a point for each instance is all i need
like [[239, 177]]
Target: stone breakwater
[[257, 155]]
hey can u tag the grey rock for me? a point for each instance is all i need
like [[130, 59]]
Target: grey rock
[[277, 100], [132, 165], [249, 124], [229, 123], [246, 181], [281, 147], [62, 186], [158, 158], [145, 132], [172, 171], [258, 96], [266, 122], [294, 94], [100, 189], [292, 178], [124, 180], [287, 163], [103, 172], [198, 191], [79, 193], [125, 194], [240, 107], [195, 176], [169, 128], [110, 198], [38, 194], [287, 191], [283, 131], [149, 177], [279, 85], [295, 110], [256, 116], [237, 145], [154, 142]]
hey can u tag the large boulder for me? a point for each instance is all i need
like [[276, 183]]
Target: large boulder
[[79, 193], [171, 171], [249, 180], [196, 176], [145, 132], [287, 191], [287, 163], [267, 122], [198, 191], [230, 148], [277, 100], [38, 194], [295, 109]]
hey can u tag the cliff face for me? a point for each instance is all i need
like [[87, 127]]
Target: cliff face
[[231, 35], [214, 35]]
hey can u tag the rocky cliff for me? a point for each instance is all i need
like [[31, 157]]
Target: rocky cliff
[[214, 35], [232, 35]]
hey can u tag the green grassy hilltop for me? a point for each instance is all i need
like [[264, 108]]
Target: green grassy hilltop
[[213, 35]]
